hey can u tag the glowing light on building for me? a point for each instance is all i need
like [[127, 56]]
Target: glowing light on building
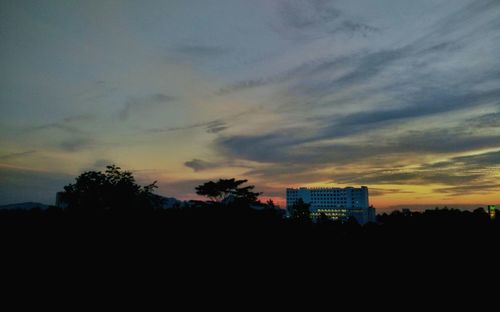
[[492, 211], [334, 203]]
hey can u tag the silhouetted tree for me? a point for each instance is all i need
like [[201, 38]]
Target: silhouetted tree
[[300, 211], [323, 219], [228, 190], [270, 204], [114, 190]]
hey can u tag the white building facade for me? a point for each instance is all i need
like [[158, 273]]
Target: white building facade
[[335, 203]]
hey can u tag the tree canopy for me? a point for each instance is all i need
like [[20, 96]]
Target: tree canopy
[[300, 211], [226, 189], [112, 190]]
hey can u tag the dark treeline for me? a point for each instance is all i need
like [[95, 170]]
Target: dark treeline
[[213, 225], [229, 223]]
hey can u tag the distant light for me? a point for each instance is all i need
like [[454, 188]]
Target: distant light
[[492, 211]]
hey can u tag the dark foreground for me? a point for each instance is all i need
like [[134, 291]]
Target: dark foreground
[[206, 231], [232, 252]]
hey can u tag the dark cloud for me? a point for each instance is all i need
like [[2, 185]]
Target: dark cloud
[[271, 147], [59, 126], [477, 10], [67, 124], [16, 155], [138, 104], [200, 165], [305, 173], [183, 189], [199, 51], [423, 207], [79, 118], [352, 28], [297, 146], [414, 177], [307, 14], [417, 106], [436, 141], [374, 192], [491, 120], [76, 144], [248, 84], [216, 126], [102, 163], [407, 75], [310, 19], [470, 189], [308, 76], [98, 165], [213, 126], [305, 69], [486, 161], [460, 172]]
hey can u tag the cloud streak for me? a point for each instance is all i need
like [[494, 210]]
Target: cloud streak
[[140, 104], [403, 96], [17, 155]]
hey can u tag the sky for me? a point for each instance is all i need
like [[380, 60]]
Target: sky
[[401, 96]]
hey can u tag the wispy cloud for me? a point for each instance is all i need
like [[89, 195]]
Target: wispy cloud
[[460, 172], [199, 51], [310, 19], [76, 144], [469, 189], [68, 124], [403, 92], [141, 104], [200, 165], [213, 126], [17, 155]]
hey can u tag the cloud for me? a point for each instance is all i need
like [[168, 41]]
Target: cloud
[[410, 177], [423, 207], [67, 124], [181, 189], [76, 144], [213, 126], [138, 104], [307, 14], [460, 172], [72, 130], [79, 118], [349, 89], [102, 163], [248, 84], [297, 146], [311, 19], [491, 120], [199, 51], [486, 161], [375, 192], [17, 155], [469, 189], [200, 165]]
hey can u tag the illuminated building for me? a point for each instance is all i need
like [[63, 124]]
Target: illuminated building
[[492, 211], [335, 203]]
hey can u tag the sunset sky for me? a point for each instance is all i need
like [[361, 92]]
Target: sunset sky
[[401, 96]]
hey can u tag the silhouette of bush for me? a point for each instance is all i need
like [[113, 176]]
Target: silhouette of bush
[[110, 191], [228, 191]]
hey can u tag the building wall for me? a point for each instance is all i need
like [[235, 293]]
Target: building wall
[[334, 202]]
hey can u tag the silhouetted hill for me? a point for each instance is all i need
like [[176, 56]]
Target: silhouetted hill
[[26, 205]]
